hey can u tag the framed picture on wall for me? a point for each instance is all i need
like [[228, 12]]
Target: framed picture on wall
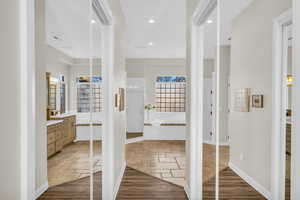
[[257, 101], [242, 100]]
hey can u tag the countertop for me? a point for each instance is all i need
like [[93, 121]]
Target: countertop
[[52, 122], [68, 114]]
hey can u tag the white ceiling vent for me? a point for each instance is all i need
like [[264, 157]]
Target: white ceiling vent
[[102, 12]]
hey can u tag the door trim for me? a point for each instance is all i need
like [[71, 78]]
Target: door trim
[[194, 188], [295, 182], [27, 100], [279, 107]]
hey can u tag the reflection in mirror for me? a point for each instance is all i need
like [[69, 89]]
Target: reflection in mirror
[[67, 54], [97, 104], [210, 115]]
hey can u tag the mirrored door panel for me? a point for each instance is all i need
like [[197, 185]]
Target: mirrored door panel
[[210, 106]]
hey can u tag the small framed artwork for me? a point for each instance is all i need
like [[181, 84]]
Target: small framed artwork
[[257, 101], [242, 100]]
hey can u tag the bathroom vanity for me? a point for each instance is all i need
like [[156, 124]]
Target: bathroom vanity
[[55, 140], [69, 127]]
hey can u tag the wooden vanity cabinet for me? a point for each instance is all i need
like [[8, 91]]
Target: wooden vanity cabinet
[[54, 138], [69, 129]]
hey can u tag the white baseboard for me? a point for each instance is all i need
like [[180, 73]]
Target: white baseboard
[[41, 190], [213, 143], [187, 190], [137, 139], [119, 180], [262, 190]]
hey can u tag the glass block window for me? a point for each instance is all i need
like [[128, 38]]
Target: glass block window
[[170, 92], [52, 97], [83, 94], [62, 98]]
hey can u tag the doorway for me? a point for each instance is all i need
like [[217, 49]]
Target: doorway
[[135, 109], [46, 145]]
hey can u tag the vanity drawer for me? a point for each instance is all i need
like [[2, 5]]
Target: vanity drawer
[[51, 137], [51, 128], [59, 134], [51, 149], [59, 145]]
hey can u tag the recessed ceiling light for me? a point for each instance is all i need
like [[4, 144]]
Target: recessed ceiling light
[[209, 21], [151, 21], [150, 44], [93, 21]]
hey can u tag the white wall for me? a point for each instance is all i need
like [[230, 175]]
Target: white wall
[[251, 67], [10, 105], [41, 94]]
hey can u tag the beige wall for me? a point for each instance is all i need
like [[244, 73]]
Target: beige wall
[[251, 58], [10, 100]]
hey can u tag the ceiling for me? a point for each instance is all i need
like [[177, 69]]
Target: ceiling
[[67, 28], [67, 25], [167, 33], [229, 9]]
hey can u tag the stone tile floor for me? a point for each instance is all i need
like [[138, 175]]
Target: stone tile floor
[[73, 163], [166, 159], [162, 159]]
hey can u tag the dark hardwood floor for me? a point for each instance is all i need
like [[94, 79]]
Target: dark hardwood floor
[[138, 185], [232, 187], [75, 190], [133, 135]]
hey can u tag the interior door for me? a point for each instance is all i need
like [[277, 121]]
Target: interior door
[[135, 110]]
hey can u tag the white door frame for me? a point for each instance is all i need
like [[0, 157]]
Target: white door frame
[[279, 105], [204, 9], [295, 181], [27, 101]]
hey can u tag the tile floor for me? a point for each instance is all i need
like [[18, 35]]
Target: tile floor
[[162, 159], [73, 163], [166, 159]]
